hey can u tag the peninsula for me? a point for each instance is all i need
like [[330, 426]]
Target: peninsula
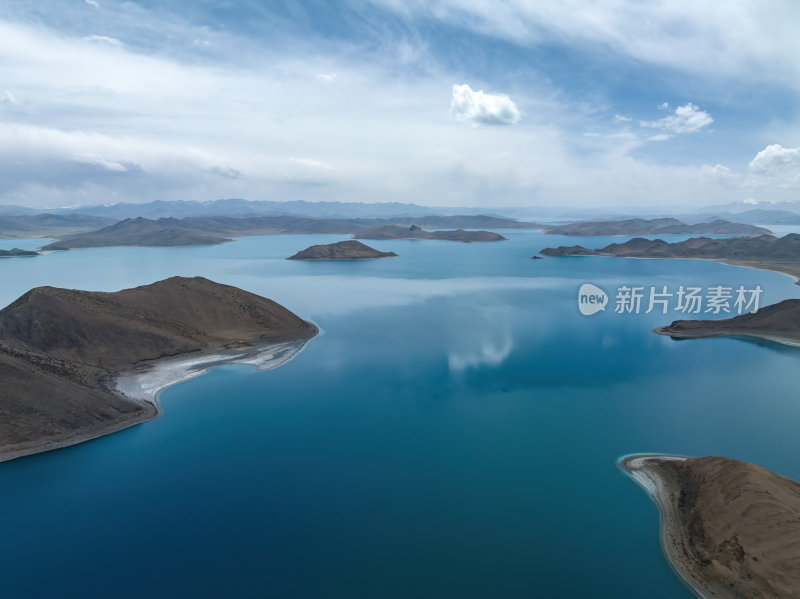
[[765, 251], [341, 250], [730, 530], [655, 226], [779, 322], [416, 232], [65, 354]]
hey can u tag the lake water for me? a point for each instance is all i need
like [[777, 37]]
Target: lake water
[[453, 432]]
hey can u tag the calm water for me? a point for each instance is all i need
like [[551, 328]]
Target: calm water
[[453, 433]]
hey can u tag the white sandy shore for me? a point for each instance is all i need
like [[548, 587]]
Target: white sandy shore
[[146, 383], [644, 469]]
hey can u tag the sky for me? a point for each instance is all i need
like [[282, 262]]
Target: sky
[[476, 103]]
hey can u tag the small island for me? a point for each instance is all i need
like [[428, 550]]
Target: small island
[[16, 252], [76, 365], [779, 322], [341, 250], [416, 232], [729, 529]]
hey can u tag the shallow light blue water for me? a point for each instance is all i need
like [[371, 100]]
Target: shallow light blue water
[[453, 433]]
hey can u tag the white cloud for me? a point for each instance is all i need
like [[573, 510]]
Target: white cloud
[[751, 39], [622, 119], [327, 77], [480, 108], [777, 160], [103, 39], [685, 119], [6, 97], [719, 171], [92, 3], [106, 126]]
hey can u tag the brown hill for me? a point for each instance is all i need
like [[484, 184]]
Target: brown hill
[[765, 251], [140, 232], [61, 350], [779, 322], [730, 529], [342, 250]]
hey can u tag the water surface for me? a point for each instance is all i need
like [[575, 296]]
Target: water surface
[[453, 433]]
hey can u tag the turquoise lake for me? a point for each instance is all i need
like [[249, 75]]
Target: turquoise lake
[[453, 432]]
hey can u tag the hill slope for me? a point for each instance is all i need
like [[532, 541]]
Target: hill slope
[[61, 350], [342, 250], [730, 529]]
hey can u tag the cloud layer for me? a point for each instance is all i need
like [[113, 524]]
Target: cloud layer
[[110, 101]]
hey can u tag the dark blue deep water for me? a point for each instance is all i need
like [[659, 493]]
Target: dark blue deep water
[[453, 433]]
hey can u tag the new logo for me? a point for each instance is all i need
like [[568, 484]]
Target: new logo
[[591, 299]]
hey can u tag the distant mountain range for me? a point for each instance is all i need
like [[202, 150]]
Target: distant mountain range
[[655, 226], [209, 230], [759, 213], [761, 216], [416, 232]]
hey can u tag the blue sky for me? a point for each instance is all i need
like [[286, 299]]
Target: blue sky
[[438, 102]]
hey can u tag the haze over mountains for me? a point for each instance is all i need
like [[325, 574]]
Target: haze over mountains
[[49, 225], [210, 230], [758, 213]]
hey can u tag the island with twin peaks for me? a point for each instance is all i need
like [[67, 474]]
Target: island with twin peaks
[[341, 250]]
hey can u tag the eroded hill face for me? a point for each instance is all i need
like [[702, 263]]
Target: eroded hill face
[[742, 524], [60, 349], [116, 330]]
